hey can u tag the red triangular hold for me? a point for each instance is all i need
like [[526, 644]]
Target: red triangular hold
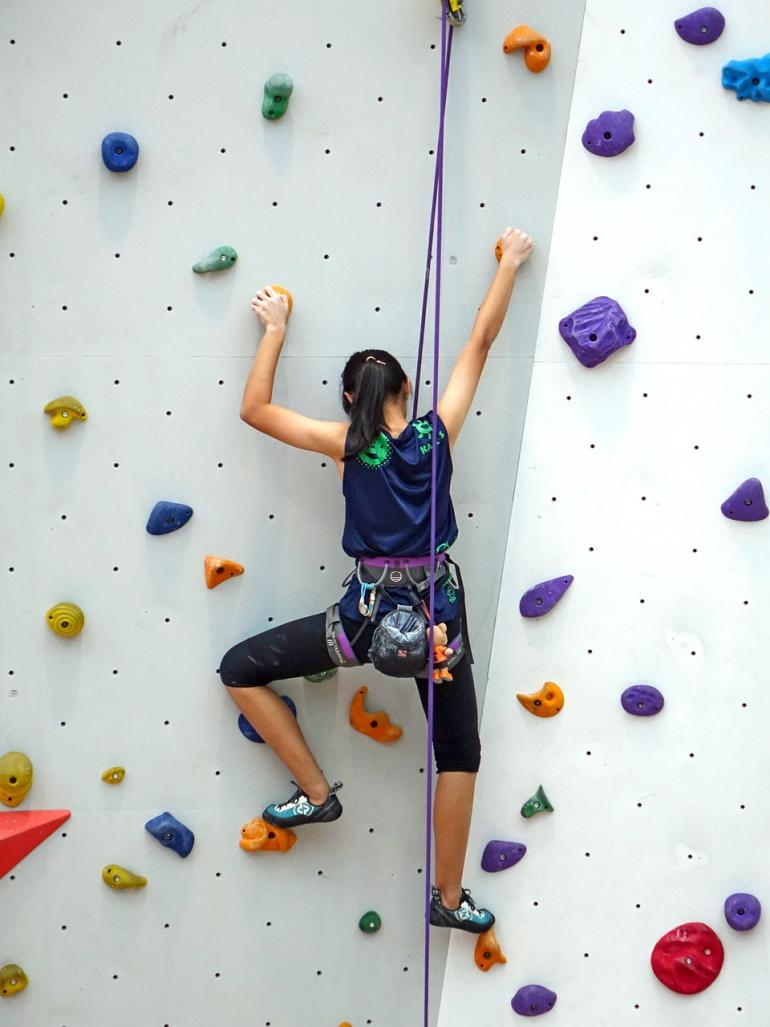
[[21, 832]]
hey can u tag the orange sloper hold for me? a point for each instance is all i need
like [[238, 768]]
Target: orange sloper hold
[[219, 569], [258, 834], [499, 250], [376, 725], [487, 951], [537, 49], [286, 293]]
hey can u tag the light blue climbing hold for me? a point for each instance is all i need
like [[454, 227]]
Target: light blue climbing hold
[[166, 517], [171, 833], [251, 733], [120, 151], [750, 78]]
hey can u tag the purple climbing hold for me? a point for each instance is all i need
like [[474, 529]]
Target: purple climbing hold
[[642, 700], [747, 503], [609, 134], [543, 597], [702, 26], [533, 1000], [742, 911], [594, 331], [501, 855]]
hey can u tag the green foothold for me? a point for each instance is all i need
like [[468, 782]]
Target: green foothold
[[218, 260], [538, 803], [323, 675], [370, 922], [278, 89]]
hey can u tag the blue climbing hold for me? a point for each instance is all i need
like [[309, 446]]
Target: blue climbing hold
[[594, 331], [253, 735], [533, 1000], [500, 855], [171, 833], [750, 78], [119, 151], [642, 700], [166, 517]]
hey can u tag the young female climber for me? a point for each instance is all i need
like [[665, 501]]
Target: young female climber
[[384, 460]]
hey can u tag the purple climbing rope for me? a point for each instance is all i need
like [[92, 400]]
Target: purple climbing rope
[[435, 221]]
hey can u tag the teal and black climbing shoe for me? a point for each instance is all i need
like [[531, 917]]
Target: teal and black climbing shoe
[[300, 810], [466, 917]]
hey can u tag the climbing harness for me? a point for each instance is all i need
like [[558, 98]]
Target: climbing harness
[[393, 650]]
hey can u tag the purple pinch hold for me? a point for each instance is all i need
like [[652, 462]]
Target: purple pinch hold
[[642, 700], [742, 911], [596, 329], [609, 134], [533, 1000], [501, 855], [700, 27], [542, 598], [747, 503]]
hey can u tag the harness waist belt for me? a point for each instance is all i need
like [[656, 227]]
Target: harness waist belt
[[400, 571]]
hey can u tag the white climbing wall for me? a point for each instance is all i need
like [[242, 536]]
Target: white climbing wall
[[623, 470], [99, 301]]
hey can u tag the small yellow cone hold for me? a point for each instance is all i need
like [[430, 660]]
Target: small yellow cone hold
[[12, 980], [65, 410], [2, 203], [487, 951], [66, 619], [545, 703], [114, 775], [119, 877], [15, 778]]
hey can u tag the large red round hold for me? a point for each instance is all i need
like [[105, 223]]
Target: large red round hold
[[688, 958]]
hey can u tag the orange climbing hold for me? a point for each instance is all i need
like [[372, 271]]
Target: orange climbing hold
[[537, 49], [376, 725], [218, 569], [487, 951], [284, 292], [258, 834], [499, 250], [547, 702]]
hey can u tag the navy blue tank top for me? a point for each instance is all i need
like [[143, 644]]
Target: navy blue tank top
[[387, 509]]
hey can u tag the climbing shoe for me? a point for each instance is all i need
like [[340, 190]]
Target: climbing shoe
[[466, 917], [300, 810]]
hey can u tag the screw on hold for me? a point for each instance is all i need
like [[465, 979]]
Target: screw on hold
[[278, 89], [219, 259]]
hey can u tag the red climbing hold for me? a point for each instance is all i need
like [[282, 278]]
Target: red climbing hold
[[23, 831], [688, 958]]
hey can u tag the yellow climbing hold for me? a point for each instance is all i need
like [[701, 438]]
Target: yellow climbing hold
[[15, 778], [119, 877], [65, 410], [114, 775], [546, 702], [66, 619], [2, 203], [12, 980]]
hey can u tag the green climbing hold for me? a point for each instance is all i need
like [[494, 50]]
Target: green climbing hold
[[370, 922], [218, 260], [323, 675], [278, 89], [538, 803]]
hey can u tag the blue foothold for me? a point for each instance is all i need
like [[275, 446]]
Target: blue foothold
[[253, 735], [171, 833], [120, 151], [166, 517], [750, 79]]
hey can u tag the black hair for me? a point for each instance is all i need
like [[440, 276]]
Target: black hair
[[370, 376]]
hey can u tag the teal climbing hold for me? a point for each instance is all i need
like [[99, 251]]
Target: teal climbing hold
[[370, 922], [219, 259], [278, 89], [537, 803]]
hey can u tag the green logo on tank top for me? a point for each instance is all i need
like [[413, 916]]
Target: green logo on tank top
[[378, 454]]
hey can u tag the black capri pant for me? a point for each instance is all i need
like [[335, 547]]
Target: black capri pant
[[299, 647]]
